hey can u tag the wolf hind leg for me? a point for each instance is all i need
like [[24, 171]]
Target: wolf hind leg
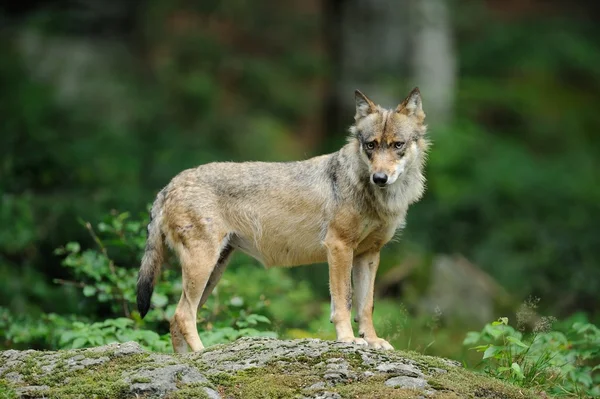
[[198, 259], [217, 273], [177, 338]]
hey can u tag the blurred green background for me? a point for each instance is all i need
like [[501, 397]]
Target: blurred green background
[[103, 102]]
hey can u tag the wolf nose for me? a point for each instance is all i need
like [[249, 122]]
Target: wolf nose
[[380, 178]]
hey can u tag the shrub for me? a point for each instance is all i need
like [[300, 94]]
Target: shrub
[[558, 362], [108, 286]]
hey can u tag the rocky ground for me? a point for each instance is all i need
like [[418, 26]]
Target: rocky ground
[[247, 368]]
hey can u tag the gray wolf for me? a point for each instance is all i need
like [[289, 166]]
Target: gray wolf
[[341, 208]]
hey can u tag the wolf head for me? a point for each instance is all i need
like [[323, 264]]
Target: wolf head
[[390, 142]]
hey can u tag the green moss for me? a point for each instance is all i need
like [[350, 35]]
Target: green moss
[[90, 387], [374, 388], [100, 381], [267, 383], [465, 383], [274, 381], [356, 361], [95, 354], [140, 380], [7, 391], [459, 382], [189, 391], [426, 362], [221, 379], [353, 359]]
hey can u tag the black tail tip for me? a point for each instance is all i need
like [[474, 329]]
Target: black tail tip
[[144, 294]]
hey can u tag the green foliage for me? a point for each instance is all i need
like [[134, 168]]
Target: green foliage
[[27, 331], [521, 150], [121, 329], [102, 280], [78, 146], [561, 363]]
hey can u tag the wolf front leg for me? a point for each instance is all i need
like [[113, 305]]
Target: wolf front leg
[[363, 274], [339, 257]]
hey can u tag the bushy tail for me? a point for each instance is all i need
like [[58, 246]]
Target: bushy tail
[[153, 257]]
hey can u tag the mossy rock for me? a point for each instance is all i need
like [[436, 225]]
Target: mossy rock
[[247, 368]]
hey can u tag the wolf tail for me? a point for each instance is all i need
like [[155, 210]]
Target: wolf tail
[[153, 256]]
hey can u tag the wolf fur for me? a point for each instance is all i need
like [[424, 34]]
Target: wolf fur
[[341, 208]]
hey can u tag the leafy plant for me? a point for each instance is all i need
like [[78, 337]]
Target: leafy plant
[[98, 274], [553, 361]]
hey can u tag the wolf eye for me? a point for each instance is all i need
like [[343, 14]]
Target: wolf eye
[[370, 145], [398, 145]]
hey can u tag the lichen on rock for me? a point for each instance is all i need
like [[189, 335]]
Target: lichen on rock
[[247, 368]]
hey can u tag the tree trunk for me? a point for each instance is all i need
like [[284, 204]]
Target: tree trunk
[[386, 47], [433, 58]]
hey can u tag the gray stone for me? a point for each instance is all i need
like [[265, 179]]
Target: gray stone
[[436, 370], [128, 348], [191, 375], [318, 385], [479, 292], [407, 382], [48, 368], [159, 374], [334, 377], [450, 362], [93, 362], [13, 377], [212, 394], [399, 368], [162, 380]]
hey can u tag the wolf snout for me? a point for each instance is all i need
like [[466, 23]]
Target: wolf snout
[[379, 178]]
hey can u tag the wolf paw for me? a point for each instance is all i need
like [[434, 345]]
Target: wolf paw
[[379, 343], [353, 340]]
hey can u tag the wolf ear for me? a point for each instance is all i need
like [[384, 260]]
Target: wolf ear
[[364, 106], [412, 105]]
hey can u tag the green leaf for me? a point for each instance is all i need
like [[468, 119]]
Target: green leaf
[[89, 290], [237, 301], [103, 227], [133, 226], [517, 342], [501, 321], [73, 247], [481, 348], [517, 371], [258, 318], [471, 338], [490, 352], [79, 343], [495, 331], [122, 322], [66, 337], [159, 300]]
